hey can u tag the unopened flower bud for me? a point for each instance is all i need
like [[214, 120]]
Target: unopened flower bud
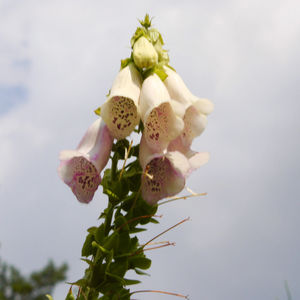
[[144, 54]]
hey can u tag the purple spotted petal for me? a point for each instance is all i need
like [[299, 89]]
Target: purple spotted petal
[[80, 169], [120, 111], [161, 122], [81, 176], [164, 173]]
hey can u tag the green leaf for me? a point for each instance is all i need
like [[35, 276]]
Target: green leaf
[[131, 281], [125, 62], [119, 147], [112, 242], [125, 243], [160, 72], [92, 230], [88, 261], [122, 222], [119, 267], [139, 262], [111, 194], [87, 248], [99, 234], [128, 202], [70, 296], [80, 282], [49, 297], [152, 220], [102, 249], [116, 277], [98, 111], [140, 272], [120, 188], [137, 230], [146, 22], [138, 33], [155, 36]]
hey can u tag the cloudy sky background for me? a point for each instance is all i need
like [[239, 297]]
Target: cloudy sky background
[[58, 59]]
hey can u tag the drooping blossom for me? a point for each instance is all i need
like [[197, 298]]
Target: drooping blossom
[[80, 169], [164, 173], [194, 125], [179, 92], [120, 111], [161, 117], [196, 109]]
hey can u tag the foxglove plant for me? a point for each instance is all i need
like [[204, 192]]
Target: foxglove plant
[[147, 97]]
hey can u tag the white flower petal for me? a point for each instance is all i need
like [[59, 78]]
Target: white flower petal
[[120, 111], [179, 92], [161, 123], [198, 159]]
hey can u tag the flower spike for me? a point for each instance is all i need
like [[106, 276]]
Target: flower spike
[[80, 169]]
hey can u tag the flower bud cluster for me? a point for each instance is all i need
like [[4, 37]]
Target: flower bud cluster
[[146, 90]]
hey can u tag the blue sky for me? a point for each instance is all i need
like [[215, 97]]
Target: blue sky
[[11, 96], [242, 241]]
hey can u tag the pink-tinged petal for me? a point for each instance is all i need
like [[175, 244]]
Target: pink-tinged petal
[[81, 176], [80, 169], [146, 153], [194, 125], [197, 159], [161, 122], [164, 173], [100, 152], [179, 92], [163, 177], [120, 111]]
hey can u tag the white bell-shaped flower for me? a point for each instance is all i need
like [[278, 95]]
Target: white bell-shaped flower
[[196, 109], [164, 173], [120, 111], [159, 114]]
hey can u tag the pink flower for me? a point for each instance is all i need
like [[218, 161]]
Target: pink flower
[[165, 172], [80, 169], [161, 116], [120, 111], [196, 109]]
